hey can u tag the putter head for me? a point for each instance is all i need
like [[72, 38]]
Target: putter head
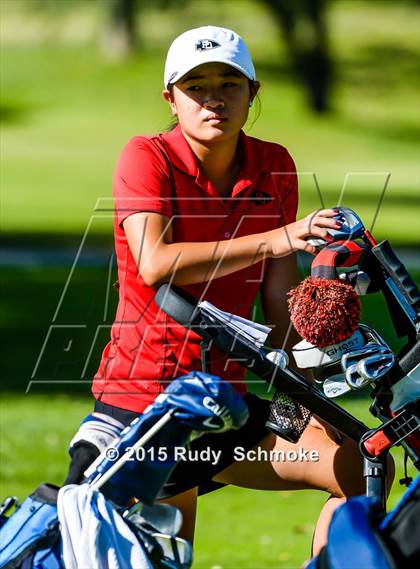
[[335, 386], [352, 227]]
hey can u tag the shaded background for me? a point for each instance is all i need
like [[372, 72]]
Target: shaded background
[[78, 79]]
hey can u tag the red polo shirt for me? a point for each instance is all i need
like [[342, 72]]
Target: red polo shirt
[[160, 174]]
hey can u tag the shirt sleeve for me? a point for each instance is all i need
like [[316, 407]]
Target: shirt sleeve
[[289, 190], [285, 182], [142, 180]]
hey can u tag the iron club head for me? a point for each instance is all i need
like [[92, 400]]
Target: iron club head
[[335, 386], [376, 366], [354, 356], [353, 378]]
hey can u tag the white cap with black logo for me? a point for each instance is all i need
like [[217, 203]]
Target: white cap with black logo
[[208, 44]]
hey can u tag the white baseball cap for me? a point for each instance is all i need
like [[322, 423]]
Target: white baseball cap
[[208, 44]]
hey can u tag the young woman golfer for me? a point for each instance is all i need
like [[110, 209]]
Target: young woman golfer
[[212, 210]]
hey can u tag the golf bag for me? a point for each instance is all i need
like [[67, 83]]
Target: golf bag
[[43, 532], [361, 536], [30, 538]]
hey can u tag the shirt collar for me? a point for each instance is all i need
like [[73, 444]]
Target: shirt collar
[[180, 152], [254, 160]]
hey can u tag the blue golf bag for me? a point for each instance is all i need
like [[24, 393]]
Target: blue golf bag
[[361, 537], [32, 537]]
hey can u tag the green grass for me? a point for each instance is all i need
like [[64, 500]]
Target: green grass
[[235, 527], [68, 111]]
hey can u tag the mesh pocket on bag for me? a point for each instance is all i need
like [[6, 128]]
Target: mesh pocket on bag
[[288, 419]]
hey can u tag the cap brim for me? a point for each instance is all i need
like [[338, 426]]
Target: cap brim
[[187, 69]]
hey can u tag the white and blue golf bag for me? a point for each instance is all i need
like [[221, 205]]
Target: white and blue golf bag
[[91, 524]]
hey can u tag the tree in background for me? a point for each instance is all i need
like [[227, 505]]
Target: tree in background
[[304, 29], [120, 37], [302, 24]]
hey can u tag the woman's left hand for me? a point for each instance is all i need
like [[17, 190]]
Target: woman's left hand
[[331, 432]]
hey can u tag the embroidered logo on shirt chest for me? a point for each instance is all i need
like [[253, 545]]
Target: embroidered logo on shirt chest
[[260, 198]]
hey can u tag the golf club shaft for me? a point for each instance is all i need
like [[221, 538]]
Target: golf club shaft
[[287, 381], [183, 308], [97, 484]]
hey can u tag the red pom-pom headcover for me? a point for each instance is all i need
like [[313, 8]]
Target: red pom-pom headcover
[[326, 311]]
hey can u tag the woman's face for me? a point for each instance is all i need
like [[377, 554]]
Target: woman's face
[[211, 101]]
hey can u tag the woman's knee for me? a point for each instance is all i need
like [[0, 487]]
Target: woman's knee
[[390, 473], [339, 470], [348, 470]]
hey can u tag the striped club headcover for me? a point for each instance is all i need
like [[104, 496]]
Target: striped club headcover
[[338, 254]]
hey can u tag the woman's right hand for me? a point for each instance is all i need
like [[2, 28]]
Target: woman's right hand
[[291, 238]]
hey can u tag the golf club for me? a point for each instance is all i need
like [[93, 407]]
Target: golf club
[[335, 386], [375, 366]]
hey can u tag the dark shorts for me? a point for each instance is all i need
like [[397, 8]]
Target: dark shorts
[[189, 474]]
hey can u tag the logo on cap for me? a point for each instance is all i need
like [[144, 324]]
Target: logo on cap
[[202, 45]]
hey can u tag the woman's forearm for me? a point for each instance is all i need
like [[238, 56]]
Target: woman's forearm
[[189, 263], [160, 260]]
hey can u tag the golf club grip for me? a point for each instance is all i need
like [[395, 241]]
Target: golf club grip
[[411, 359], [177, 304], [398, 273]]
